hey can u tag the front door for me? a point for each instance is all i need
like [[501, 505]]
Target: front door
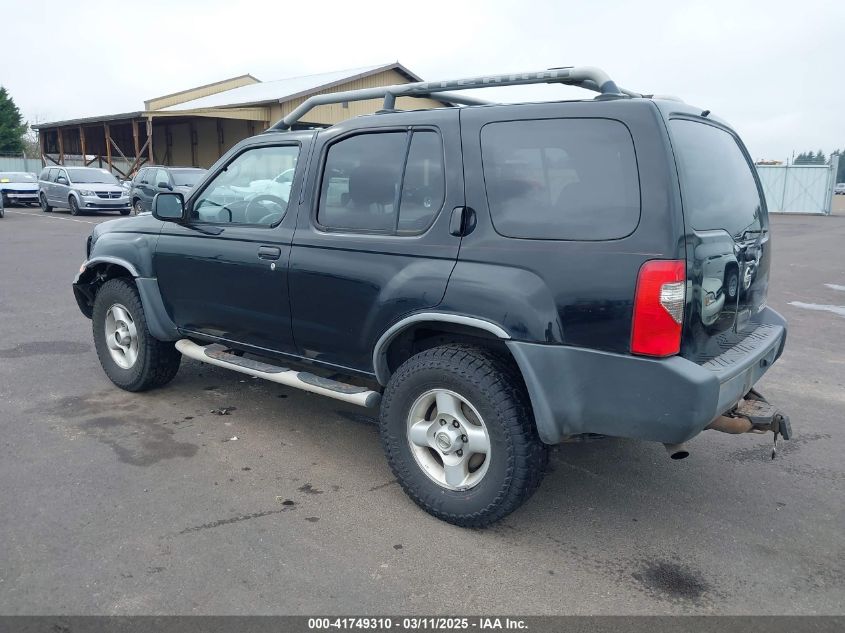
[[223, 274], [372, 242]]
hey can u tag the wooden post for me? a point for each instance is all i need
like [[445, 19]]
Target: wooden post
[[108, 144], [219, 138], [82, 144], [61, 147], [194, 141], [135, 142], [41, 147], [150, 138]]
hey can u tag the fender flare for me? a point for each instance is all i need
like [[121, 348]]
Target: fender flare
[[159, 323], [380, 350]]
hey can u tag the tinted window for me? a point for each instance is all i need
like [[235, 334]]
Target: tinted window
[[424, 185], [161, 176], [363, 187], [54, 173], [44, 175], [717, 185], [361, 182], [247, 192], [140, 176], [571, 179]]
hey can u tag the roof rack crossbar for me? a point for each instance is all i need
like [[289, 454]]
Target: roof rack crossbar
[[585, 76]]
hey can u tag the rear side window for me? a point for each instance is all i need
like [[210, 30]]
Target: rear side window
[[563, 179], [389, 182], [717, 185]]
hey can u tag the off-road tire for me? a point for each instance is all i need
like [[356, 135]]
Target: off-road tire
[[157, 362], [46, 208], [496, 390]]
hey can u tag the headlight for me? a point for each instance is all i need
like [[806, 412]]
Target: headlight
[[85, 192]]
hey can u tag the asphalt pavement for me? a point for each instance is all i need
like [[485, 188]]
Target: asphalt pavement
[[119, 503]]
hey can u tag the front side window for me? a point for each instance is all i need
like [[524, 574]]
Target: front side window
[[718, 188], [389, 182], [161, 177], [561, 179], [248, 191]]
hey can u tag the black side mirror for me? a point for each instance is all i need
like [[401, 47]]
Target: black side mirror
[[61, 180], [165, 185], [169, 207]]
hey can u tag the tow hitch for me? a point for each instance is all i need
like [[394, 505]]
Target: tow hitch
[[754, 414]]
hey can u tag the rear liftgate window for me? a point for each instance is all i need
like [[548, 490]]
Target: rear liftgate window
[[561, 179], [717, 184]]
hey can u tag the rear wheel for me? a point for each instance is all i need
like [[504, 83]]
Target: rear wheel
[[74, 205], [46, 208], [457, 429], [130, 356]]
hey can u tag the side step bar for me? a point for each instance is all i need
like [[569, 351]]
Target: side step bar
[[219, 355]]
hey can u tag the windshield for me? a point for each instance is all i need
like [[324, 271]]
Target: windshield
[[83, 175], [16, 176], [186, 177]]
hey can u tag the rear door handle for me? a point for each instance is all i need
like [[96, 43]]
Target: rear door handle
[[269, 252]]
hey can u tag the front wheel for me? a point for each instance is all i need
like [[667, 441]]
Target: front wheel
[[130, 356], [74, 206], [457, 428], [46, 208], [138, 206]]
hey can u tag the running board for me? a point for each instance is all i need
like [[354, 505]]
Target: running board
[[219, 355]]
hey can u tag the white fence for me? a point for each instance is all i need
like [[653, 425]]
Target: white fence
[[799, 188]]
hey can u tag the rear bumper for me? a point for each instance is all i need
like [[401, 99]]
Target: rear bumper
[[670, 400]]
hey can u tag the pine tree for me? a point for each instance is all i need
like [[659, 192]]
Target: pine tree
[[12, 126], [821, 159]]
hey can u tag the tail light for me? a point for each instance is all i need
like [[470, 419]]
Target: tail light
[[659, 308]]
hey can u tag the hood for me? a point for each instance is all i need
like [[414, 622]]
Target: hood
[[144, 222], [19, 186], [183, 189], [97, 186]]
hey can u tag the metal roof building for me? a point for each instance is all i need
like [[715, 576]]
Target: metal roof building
[[195, 127]]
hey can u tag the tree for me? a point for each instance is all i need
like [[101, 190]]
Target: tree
[[12, 126], [821, 159]]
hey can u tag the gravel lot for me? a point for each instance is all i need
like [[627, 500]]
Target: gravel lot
[[118, 503]]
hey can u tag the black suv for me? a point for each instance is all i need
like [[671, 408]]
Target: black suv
[[152, 180], [498, 278]]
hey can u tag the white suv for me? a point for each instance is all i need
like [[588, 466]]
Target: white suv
[[839, 189]]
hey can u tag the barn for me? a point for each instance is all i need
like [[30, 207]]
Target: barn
[[195, 127]]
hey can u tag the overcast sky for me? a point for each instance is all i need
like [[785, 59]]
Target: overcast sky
[[773, 69]]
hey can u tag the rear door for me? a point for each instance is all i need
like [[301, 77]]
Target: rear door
[[372, 242], [727, 236]]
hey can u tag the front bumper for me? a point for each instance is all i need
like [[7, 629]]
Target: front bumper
[[105, 204], [21, 197], [670, 400]]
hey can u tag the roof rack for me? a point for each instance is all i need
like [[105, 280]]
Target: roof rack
[[584, 76]]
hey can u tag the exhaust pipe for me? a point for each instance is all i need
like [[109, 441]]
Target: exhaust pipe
[[677, 451]]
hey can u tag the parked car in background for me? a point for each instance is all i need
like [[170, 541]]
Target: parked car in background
[[839, 189], [18, 187], [152, 180], [81, 189]]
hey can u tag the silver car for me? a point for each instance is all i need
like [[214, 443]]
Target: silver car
[[839, 189], [81, 189], [18, 188]]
